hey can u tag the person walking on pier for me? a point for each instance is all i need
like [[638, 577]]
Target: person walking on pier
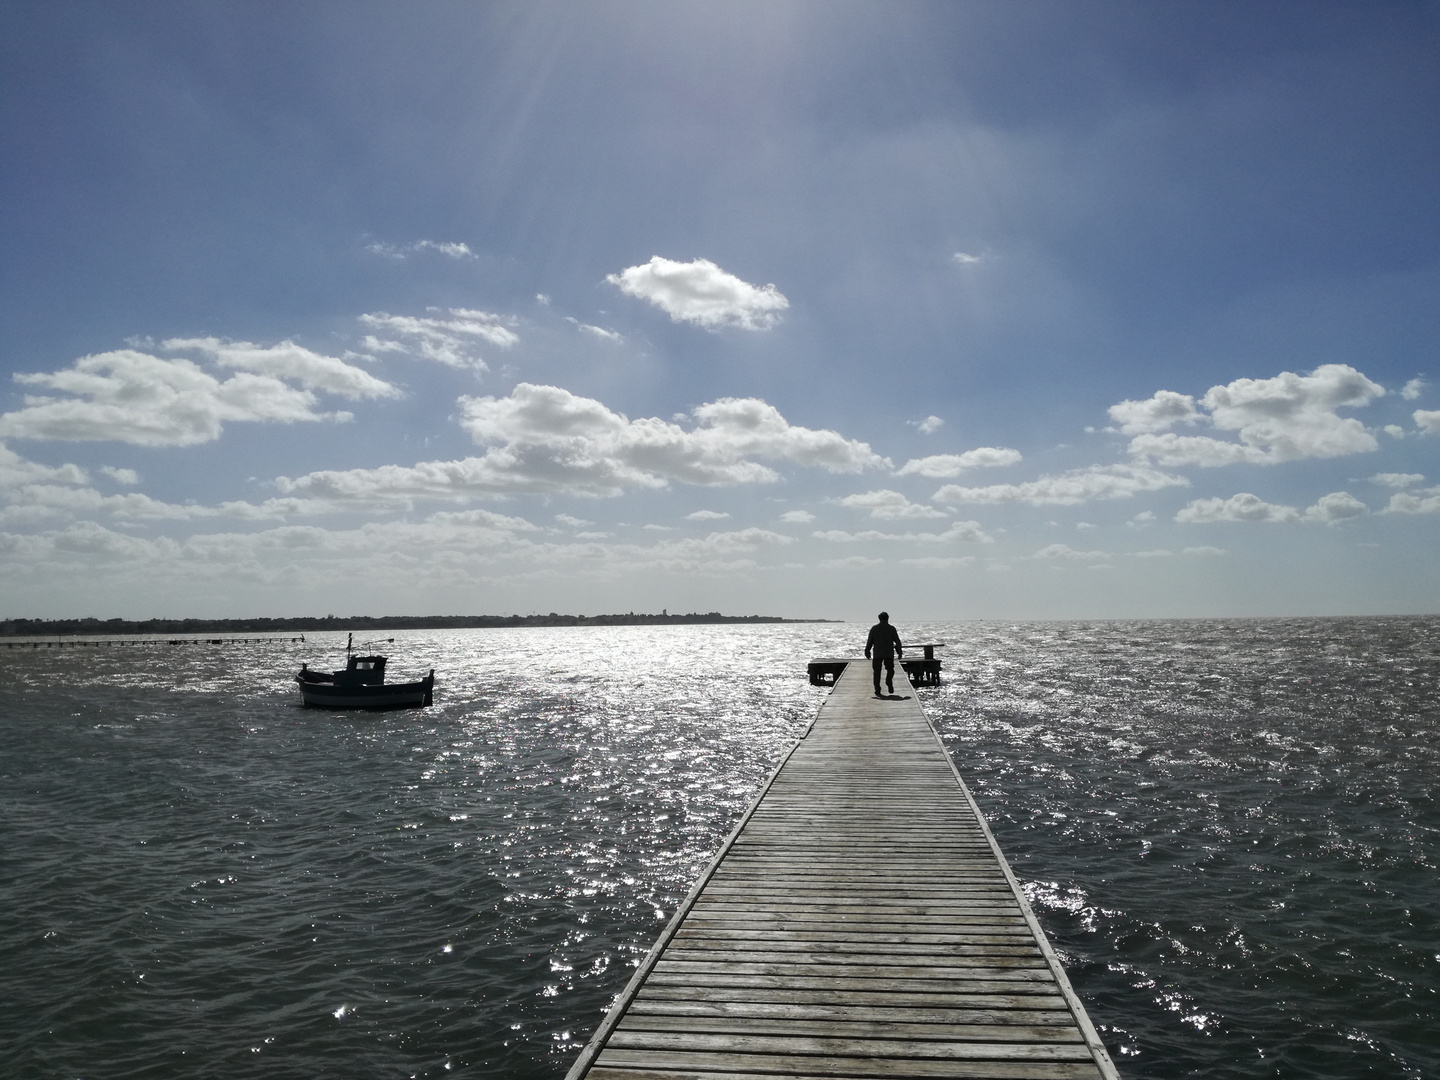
[[881, 648]]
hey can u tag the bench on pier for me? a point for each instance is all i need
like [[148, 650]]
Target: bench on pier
[[823, 671]]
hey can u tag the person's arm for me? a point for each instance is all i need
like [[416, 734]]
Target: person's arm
[[899, 649], [869, 643]]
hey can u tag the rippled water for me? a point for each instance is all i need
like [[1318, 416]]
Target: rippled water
[[1230, 830]]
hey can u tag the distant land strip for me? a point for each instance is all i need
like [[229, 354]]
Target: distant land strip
[[88, 627]]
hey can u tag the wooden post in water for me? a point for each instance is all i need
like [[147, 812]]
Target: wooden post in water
[[860, 921]]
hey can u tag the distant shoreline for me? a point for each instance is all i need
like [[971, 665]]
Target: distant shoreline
[[92, 627]]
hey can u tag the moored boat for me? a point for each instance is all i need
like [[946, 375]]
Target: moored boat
[[361, 685]]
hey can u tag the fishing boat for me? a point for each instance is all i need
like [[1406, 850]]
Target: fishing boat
[[361, 685]]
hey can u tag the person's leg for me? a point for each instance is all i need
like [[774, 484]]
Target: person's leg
[[890, 675], [875, 665]]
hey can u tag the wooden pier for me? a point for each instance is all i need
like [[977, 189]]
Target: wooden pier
[[859, 922]]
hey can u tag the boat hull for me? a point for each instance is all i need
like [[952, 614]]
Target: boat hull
[[327, 695]]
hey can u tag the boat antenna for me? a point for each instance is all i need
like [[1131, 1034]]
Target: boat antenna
[[349, 638]]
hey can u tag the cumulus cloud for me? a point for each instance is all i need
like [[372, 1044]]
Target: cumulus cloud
[[125, 477], [1060, 553], [965, 258], [572, 521], [135, 397], [928, 426], [1415, 502], [1160, 412], [707, 515], [1203, 552], [1287, 418], [312, 370], [944, 466], [700, 292], [547, 440], [1336, 507], [1412, 389], [1397, 479], [889, 505], [1241, 507], [797, 517], [1428, 421], [450, 336], [448, 248], [1068, 488], [958, 532]]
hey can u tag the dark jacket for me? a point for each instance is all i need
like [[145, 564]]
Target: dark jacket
[[884, 640]]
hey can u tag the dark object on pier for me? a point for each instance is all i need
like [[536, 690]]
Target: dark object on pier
[[362, 686], [825, 670]]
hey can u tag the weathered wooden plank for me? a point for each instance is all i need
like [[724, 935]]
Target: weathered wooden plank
[[867, 1027], [1034, 997], [697, 1042], [806, 1065], [769, 1010], [950, 1070]]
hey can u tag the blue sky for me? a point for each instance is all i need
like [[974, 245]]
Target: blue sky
[[985, 310]]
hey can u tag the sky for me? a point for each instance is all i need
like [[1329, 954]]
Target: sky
[[1001, 310]]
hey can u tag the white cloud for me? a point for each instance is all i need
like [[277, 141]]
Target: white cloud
[[1158, 413], [404, 251], [1069, 488], [594, 331], [16, 472], [131, 396], [852, 562], [545, 439], [797, 517], [1158, 553], [573, 522], [1412, 389], [928, 426], [1415, 502], [1336, 507], [126, 477], [1203, 552], [936, 562], [468, 547], [1086, 526], [1395, 431], [706, 515], [1428, 421], [1287, 418], [1140, 520], [1060, 553], [700, 292], [312, 370], [960, 531], [965, 258], [449, 336], [1241, 507], [1397, 479], [889, 506], [943, 466]]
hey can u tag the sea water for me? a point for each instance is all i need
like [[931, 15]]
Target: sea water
[[1229, 829]]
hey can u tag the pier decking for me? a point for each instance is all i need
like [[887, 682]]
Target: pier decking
[[859, 922]]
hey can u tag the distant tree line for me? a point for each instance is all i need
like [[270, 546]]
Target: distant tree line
[[63, 627]]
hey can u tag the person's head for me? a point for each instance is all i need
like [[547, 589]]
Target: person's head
[[884, 616]]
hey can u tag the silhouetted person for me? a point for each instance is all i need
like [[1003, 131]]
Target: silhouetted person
[[882, 647]]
